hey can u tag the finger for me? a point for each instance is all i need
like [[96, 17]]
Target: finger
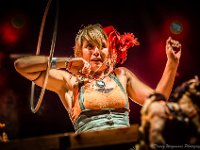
[[80, 72], [173, 41], [176, 45], [86, 70], [69, 66], [169, 47], [83, 74], [168, 40], [86, 66]]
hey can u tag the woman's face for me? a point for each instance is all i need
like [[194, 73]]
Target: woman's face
[[97, 57]]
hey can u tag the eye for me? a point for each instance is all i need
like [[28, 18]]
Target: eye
[[104, 45], [89, 46]]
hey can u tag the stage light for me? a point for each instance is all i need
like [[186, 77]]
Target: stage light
[[12, 29], [18, 21], [176, 27], [9, 34]]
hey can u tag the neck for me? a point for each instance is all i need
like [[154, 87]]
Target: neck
[[97, 75]]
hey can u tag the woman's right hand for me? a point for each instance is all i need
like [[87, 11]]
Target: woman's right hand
[[173, 49], [78, 66]]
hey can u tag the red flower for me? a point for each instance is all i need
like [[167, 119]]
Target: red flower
[[119, 44], [127, 40]]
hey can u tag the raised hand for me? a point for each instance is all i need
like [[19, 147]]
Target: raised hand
[[78, 66], [173, 49]]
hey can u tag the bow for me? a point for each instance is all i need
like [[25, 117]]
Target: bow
[[40, 99]]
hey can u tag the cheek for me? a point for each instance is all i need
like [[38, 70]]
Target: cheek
[[86, 54], [105, 53]]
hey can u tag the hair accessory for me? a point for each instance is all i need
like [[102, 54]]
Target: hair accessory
[[120, 43]]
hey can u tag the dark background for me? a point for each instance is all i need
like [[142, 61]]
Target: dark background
[[150, 21]]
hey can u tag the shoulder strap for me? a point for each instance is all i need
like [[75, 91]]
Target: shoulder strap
[[114, 77], [81, 94]]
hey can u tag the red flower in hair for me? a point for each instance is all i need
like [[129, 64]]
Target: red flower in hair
[[120, 43]]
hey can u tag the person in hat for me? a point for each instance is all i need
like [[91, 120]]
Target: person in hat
[[93, 90]]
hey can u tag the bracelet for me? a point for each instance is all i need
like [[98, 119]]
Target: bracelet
[[53, 63]]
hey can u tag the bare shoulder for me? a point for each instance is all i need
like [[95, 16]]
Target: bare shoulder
[[122, 71], [125, 73]]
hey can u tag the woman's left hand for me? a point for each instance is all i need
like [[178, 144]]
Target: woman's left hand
[[173, 49], [79, 66]]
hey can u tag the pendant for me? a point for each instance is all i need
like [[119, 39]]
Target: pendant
[[100, 83]]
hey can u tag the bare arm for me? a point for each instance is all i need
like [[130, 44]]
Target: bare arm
[[34, 69], [138, 91], [173, 51]]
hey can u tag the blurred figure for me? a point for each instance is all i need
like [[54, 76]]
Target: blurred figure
[[176, 122]]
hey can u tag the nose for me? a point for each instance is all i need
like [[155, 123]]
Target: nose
[[96, 51]]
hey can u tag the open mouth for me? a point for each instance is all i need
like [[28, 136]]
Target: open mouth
[[96, 60]]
